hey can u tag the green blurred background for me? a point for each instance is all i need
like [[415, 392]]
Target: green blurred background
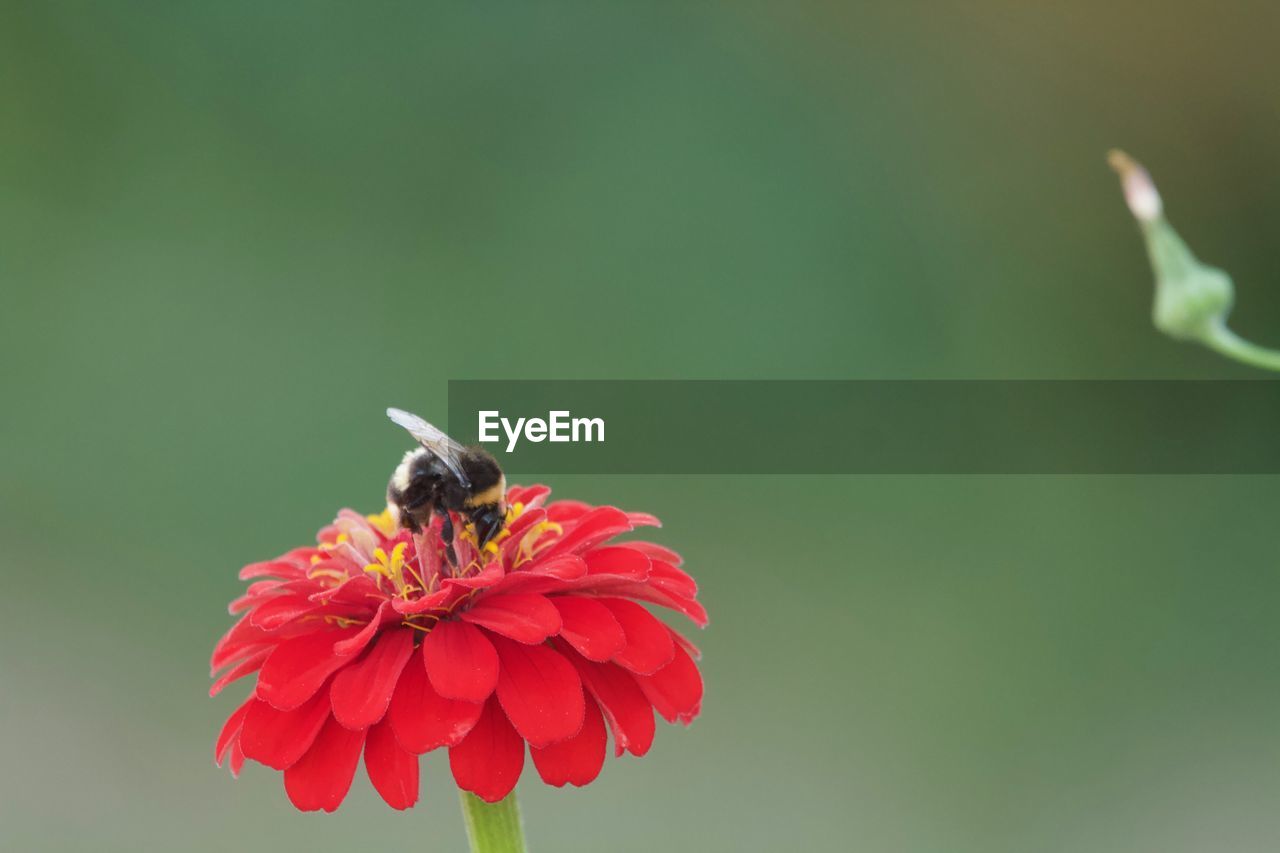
[[233, 232]]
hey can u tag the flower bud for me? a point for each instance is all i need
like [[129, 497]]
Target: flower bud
[[1192, 299]]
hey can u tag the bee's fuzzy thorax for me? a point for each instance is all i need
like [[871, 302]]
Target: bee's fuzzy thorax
[[400, 478], [492, 495]]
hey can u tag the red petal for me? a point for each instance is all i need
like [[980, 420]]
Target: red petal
[[357, 590], [281, 610], [279, 738], [523, 526], [258, 591], [487, 577], [250, 664], [242, 603], [460, 661], [236, 761], [226, 655], [291, 565], [565, 511], [626, 710], [656, 552], [268, 568], [526, 494], [596, 526], [296, 669], [667, 577], [645, 592], [230, 729], [524, 617], [323, 776], [527, 520], [488, 762], [361, 693], [617, 560], [589, 627], [577, 760], [685, 643], [649, 645], [676, 689], [355, 644], [422, 604], [563, 567], [544, 576], [238, 637], [243, 638], [540, 692], [423, 719], [392, 770]]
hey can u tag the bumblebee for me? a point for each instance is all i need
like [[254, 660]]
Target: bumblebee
[[441, 476]]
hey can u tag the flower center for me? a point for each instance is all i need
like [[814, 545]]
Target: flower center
[[412, 567]]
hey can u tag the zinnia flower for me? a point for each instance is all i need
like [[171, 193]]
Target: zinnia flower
[[371, 642]]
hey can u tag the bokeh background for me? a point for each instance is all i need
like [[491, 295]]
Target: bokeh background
[[232, 233]]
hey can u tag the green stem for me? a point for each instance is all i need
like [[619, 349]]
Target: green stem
[[1228, 343], [493, 827]]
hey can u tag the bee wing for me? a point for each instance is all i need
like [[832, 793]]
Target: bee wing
[[445, 449]]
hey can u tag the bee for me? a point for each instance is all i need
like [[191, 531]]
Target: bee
[[441, 476]]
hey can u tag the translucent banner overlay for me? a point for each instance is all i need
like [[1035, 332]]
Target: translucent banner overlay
[[873, 427]]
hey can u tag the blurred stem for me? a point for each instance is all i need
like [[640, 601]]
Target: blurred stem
[[493, 827], [1228, 343]]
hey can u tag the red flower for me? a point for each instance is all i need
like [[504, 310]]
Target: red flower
[[371, 642]]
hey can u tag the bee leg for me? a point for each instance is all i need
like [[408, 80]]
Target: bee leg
[[487, 522], [446, 533]]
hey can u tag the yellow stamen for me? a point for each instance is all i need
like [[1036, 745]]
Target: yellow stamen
[[384, 522], [431, 618], [529, 544], [337, 543], [327, 573], [392, 568], [414, 572], [468, 534]]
